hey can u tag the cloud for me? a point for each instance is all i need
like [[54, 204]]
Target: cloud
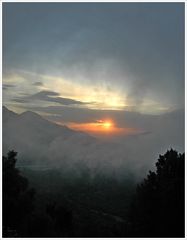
[[39, 84], [44, 94], [49, 96], [7, 86], [20, 100], [143, 56]]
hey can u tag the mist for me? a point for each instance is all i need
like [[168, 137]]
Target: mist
[[77, 176], [47, 145], [93, 120]]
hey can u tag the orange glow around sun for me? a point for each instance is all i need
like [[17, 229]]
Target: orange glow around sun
[[99, 126], [102, 128], [104, 124]]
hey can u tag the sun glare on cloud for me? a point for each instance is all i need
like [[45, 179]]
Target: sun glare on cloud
[[96, 126], [97, 97], [105, 124]]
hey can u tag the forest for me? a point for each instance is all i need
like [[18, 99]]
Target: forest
[[57, 203]]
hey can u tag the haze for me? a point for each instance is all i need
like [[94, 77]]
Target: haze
[[93, 93], [83, 64]]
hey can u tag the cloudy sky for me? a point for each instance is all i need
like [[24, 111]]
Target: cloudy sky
[[83, 64]]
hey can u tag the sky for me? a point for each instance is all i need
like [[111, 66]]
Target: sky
[[96, 67]]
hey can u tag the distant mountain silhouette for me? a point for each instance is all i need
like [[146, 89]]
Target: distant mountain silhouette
[[8, 115], [29, 123], [29, 132]]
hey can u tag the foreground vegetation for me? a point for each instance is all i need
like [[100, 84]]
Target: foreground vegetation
[[55, 203]]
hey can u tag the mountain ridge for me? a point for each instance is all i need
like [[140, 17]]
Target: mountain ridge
[[29, 115], [31, 135]]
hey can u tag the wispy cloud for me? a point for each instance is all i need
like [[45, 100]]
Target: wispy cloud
[[7, 86], [49, 96], [39, 84]]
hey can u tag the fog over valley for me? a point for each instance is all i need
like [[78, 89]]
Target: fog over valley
[[42, 143]]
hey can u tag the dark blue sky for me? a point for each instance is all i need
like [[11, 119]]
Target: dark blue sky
[[110, 55]]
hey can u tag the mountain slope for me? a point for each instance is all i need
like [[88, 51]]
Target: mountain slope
[[31, 135]]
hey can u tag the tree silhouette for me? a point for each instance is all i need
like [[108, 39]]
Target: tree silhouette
[[158, 206], [17, 198]]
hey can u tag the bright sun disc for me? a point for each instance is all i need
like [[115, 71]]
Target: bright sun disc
[[107, 124]]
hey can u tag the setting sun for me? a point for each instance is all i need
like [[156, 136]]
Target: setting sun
[[104, 124], [107, 124], [101, 128]]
